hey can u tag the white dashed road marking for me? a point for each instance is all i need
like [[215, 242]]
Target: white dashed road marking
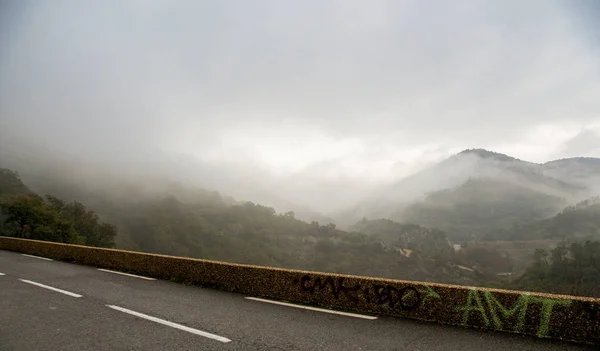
[[127, 274], [170, 324], [41, 258], [51, 288], [312, 308]]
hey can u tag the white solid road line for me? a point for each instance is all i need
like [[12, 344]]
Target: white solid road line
[[170, 324], [313, 308], [127, 274], [51, 288], [1, 273], [41, 258]]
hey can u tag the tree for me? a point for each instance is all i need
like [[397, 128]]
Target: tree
[[573, 269], [29, 216], [52, 219]]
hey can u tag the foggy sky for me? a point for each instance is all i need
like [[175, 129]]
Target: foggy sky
[[317, 102]]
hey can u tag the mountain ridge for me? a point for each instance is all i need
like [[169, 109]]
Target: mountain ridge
[[558, 178]]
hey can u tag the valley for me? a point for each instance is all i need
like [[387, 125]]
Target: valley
[[477, 218]]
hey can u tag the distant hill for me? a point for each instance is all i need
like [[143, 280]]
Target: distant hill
[[148, 171], [576, 222], [580, 171], [170, 218], [480, 207], [420, 244], [477, 191], [406, 236]]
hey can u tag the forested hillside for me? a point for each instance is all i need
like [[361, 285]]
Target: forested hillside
[[206, 225], [450, 193], [484, 231], [11, 185], [407, 236], [24, 214], [576, 222], [572, 269], [481, 208], [581, 171]]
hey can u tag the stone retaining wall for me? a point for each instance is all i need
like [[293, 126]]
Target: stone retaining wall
[[542, 315]]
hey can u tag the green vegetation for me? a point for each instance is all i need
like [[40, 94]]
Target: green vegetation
[[28, 215], [578, 222], [481, 208], [432, 242], [197, 223], [206, 225], [11, 185], [572, 269], [255, 234]]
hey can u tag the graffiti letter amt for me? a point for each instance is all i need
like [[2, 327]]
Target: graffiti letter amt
[[495, 309]]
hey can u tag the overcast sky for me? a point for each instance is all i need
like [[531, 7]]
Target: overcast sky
[[312, 95]]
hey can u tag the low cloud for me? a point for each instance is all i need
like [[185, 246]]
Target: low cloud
[[316, 102]]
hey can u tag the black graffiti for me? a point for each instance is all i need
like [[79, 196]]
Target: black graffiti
[[337, 288], [406, 298]]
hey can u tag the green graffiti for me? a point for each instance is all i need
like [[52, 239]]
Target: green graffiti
[[468, 307], [546, 313], [498, 312], [495, 306], [428, 293]]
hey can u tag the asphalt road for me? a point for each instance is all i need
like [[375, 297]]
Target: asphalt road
[[100, 310]]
